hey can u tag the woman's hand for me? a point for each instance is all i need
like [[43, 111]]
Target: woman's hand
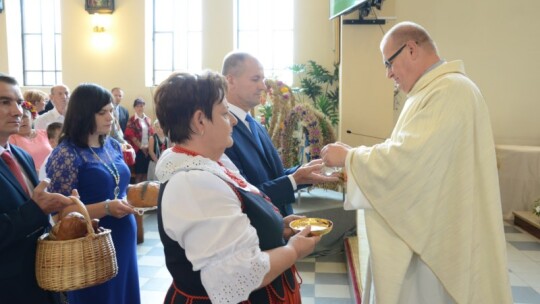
[[287, 231], [119, 208], [281, 258], [303, 243]]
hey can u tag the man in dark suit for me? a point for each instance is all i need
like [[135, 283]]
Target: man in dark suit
[[49, 106], [122, 113], [24, 207], [253, 153]]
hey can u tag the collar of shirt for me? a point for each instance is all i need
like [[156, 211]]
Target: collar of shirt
[[433, 66], [56, 114], [241, 114], [6, 148]]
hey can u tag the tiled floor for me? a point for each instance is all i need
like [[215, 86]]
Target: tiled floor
[[325, 278], [523, 252]]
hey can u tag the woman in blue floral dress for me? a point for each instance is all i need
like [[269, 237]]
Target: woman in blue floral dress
[[88, 160]]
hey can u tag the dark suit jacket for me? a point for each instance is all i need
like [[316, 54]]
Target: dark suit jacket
[[123, 117], [49, 106], [21, 223], [263, 169]]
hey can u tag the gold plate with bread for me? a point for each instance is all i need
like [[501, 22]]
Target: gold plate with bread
[[319, 226]]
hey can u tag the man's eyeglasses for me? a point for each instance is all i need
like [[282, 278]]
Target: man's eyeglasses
[[388, 62]]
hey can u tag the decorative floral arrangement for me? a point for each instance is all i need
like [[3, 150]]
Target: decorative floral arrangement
[[30, 107], [304, 123], [298, 130], [536, 207], [277, 101]]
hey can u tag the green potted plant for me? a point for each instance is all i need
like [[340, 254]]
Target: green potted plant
[[320, 86]]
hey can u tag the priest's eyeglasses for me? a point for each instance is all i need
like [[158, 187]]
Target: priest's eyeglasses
[[388, 62]]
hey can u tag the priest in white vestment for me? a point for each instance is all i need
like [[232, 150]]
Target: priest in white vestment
[[430, 191]]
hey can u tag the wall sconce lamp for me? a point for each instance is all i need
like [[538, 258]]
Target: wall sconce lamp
[[99, 6], [99, 9], [98, 29], [100, 23]]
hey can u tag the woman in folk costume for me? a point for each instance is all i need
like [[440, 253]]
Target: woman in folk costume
[[138, 132], [224, 241], [430, 192]]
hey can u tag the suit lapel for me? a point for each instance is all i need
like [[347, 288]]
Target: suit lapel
[[266, 142], [27, 167], [246, 133], [6, 172], [269, 150]]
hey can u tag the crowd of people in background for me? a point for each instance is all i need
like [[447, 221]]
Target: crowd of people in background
[[43, 117]]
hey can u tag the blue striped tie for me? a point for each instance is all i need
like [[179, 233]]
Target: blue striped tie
[[253, 126]]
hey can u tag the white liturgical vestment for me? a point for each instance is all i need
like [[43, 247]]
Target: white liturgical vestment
[[431, 199]]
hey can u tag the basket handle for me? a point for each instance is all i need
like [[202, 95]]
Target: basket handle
[[82, 210]]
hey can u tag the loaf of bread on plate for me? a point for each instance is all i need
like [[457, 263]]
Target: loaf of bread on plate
[[144, 194]]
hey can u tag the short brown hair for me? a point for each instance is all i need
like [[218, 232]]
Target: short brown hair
[[138, 101], [179, 96], [34, 96], [52, 128], [233, 64]]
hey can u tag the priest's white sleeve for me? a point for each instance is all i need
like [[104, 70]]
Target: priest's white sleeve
[[355, 198], [203, 214]]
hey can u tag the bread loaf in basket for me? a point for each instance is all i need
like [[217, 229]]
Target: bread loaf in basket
[[64, 265]]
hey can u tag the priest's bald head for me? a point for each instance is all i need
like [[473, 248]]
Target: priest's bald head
[[407, 51]]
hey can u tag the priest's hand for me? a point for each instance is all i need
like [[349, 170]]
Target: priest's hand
[[333, 155]]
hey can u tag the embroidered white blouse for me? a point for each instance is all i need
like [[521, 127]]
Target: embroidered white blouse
[[203, 214]]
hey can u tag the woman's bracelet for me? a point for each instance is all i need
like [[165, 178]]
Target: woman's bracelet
[[107, 208]]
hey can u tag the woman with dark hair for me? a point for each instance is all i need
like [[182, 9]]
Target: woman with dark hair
[[88, 160], [138, 131], [224, 241]]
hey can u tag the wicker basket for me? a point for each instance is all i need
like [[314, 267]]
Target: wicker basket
[[75, 264]]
